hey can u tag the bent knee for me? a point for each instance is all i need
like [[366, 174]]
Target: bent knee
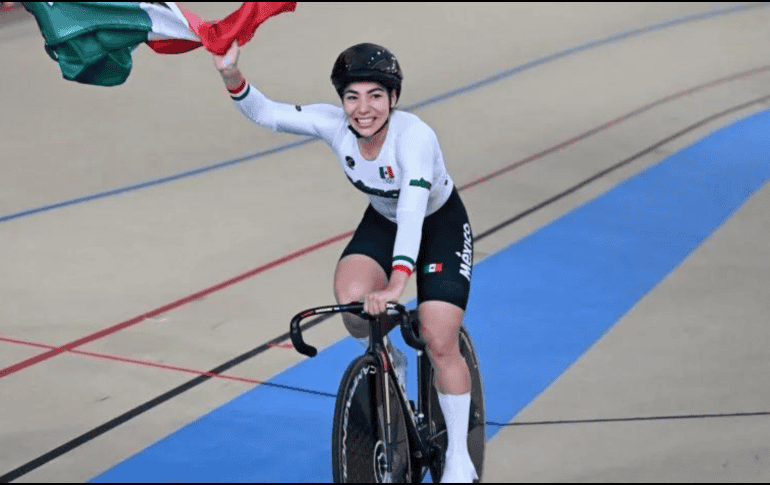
[[348, 291], [442, 346]]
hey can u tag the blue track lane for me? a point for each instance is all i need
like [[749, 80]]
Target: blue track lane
[[535, 308]]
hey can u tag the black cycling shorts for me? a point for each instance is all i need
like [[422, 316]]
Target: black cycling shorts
[[445, 260]]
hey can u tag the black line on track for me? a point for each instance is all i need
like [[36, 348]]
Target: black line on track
[[623, 420], [100, 430], [114, 423], [620, 164]]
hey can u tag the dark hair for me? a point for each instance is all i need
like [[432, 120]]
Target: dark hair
[[387, 89]]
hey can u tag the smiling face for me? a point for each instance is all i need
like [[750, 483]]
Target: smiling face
[[367, 106]]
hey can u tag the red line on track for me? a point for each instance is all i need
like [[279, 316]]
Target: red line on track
[[146, 363], [612, 123], [110, 330], [195, 296]]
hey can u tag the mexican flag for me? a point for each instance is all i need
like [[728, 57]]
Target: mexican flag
[[93, 41], [434, 268]]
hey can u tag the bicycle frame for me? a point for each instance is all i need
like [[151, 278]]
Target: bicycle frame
[[416, 424]]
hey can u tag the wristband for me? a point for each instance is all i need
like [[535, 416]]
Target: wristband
[[239, 88], [401, 267]]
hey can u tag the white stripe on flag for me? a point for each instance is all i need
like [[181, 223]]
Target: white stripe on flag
[[167, 24]]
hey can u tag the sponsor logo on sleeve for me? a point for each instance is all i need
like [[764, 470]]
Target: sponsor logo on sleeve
[[420, 183]]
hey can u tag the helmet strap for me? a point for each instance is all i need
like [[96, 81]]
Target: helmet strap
[[358, 135]]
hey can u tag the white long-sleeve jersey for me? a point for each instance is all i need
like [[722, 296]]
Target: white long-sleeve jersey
[[405, 183]]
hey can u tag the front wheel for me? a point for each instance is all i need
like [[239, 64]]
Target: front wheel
[[476, 421], [359, 440]]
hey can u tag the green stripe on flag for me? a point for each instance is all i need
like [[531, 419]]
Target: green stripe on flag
[[92, 41]]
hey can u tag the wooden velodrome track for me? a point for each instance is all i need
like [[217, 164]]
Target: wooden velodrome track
[[127, 281]]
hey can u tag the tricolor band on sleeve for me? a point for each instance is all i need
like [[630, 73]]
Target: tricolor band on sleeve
[[240, 92], [401, 267], [403, 263]]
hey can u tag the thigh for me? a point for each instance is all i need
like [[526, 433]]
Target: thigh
[[365, 264], [445, 263], [374, 237], [356, 276]]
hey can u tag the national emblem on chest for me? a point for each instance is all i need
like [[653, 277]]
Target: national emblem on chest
[[387, 174]]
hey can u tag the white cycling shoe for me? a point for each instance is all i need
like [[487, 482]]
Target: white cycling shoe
[[459, 470]]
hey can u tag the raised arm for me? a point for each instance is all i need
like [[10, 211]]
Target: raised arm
[[320, 120], [227, 65]]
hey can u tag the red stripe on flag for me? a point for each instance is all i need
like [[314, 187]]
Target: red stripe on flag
[[218, 36], [173, 46], [193, 18]]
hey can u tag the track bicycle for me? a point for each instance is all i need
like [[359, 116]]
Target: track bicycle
[[379, 435]]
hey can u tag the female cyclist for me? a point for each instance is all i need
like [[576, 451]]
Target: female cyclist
[[415, 220]]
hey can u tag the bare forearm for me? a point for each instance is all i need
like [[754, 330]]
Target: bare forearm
[[398, 280], [233, 78]]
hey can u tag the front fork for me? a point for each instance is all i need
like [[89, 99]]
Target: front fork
[[418, 426], [385, 421]]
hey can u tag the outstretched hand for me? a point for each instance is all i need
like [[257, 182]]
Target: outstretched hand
[[229, 60]]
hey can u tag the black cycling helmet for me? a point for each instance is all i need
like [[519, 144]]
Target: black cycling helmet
[[365, 63]]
